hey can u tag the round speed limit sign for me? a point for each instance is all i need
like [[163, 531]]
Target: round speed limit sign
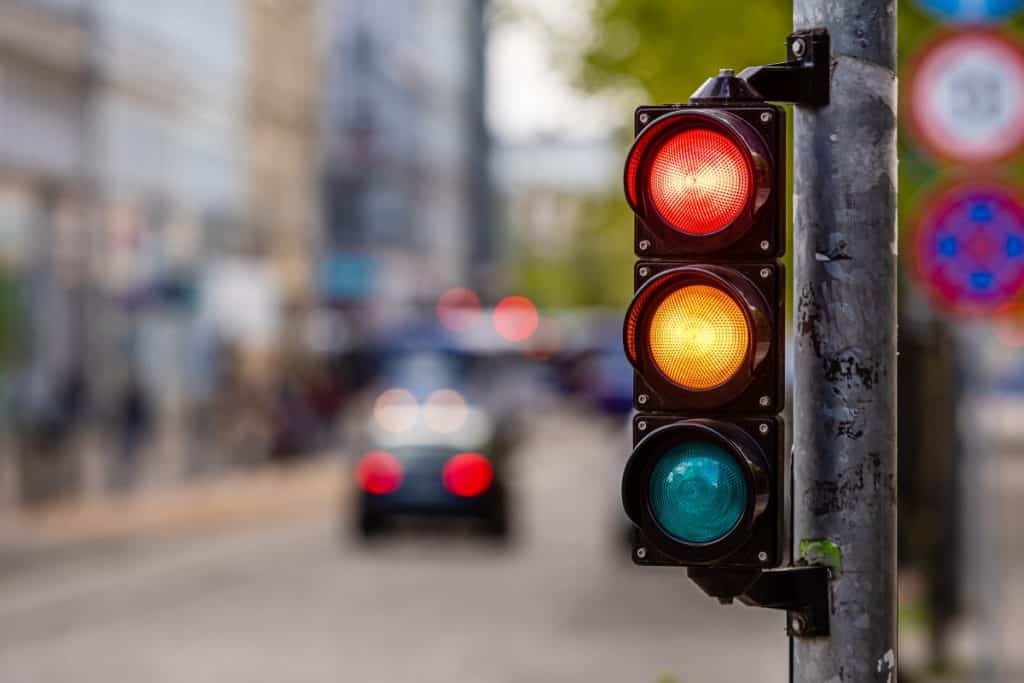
[[966, 97]]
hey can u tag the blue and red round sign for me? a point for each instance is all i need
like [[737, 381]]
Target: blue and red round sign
[[969, 248]]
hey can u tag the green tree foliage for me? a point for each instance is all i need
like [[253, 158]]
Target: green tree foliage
[[667, 49], [597, 271], [657, 51], [641, 51], [12, 318]]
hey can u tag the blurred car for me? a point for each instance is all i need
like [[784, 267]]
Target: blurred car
[[595, 367], [607, 379], [432, 450]]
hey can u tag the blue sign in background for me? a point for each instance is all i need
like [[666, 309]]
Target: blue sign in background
[[972, 10], [347, 276]]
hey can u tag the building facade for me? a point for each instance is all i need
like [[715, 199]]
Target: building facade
[[405, 173], [153, 156]]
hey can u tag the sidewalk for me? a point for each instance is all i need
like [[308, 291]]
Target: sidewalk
[[266, 495]]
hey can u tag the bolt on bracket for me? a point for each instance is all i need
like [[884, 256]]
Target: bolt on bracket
[[804, 78], [803, 591]]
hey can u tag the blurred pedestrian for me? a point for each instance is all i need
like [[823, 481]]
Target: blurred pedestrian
[[134, 421]]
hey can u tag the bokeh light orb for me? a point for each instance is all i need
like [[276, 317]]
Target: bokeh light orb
[[459, 309], [396, 410], [379, 473], [468, 474], [516, 318], [445, 411]]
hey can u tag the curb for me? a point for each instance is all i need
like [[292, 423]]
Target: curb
[[272, 493]]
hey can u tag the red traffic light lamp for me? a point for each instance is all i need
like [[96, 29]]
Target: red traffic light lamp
[[702, 179]]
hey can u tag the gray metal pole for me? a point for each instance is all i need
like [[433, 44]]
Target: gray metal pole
[[844, 431]]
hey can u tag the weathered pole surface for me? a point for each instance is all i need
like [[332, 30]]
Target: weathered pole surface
[[844, 432]]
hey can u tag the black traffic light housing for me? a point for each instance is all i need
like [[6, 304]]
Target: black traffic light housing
[[721, 153], [727, 145]]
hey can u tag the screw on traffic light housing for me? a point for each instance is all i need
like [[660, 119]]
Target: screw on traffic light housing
[[705, 484]]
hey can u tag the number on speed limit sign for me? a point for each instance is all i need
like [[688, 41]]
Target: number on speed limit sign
[[966, 97]]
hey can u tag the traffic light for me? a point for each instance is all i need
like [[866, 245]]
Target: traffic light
[[705, 330]]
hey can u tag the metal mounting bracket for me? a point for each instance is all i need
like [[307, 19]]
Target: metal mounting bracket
[[803, 591], [804, 78]]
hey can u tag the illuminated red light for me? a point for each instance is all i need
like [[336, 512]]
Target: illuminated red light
[[700, 181], [516, 318], [458, 309], [467, 474], [379, 473]]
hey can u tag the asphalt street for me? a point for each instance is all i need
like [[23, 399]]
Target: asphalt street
[[297, 601]]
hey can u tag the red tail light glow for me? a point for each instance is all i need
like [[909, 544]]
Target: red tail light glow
[[379, 473], [467, 474], [700, 181], [458, 309]]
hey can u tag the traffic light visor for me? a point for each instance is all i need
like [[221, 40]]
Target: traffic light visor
[[698, 492], [700, 181]]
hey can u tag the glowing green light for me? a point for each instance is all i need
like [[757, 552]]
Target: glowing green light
[[698, 492]]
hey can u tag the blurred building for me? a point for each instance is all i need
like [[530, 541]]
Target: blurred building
[[169, 170], [561, 202], [282, 134], [158, 204], [406, 180], [45, 89], [543, 185]]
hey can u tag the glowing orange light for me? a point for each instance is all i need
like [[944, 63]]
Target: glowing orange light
[[445, 411], [396, 410], [699, 337], [458, 309], [515, 318], [700, 181]]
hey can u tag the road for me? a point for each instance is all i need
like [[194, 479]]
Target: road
[[291, 602]]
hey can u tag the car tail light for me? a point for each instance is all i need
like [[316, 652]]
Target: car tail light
[[468, 474], [379, 473]]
